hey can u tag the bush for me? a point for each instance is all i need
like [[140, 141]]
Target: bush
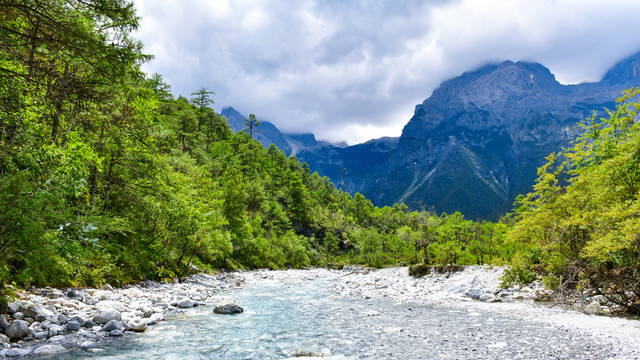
[[520, 274], [419, 270]]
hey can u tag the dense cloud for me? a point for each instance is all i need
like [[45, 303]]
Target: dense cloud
[[354, 70]]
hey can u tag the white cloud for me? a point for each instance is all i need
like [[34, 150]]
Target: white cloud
[[353, 70]]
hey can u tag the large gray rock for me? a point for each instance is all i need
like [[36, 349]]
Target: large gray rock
[[469, 287], [185, 303], [14, 307], [15, 352], [489, 298], [55, 329], [49, 350], [115, 333], [3, 323], [228, 309], [73, 325], [89, 300], [112, 325], [107, 315], [88, 345], [17, 330], [38, 313]]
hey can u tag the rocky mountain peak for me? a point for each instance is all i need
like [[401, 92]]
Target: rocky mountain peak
[[625, 72]]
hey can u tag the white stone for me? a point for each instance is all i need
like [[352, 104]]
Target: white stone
[[106, 315], [137, 325], [185, 303], [49, 350]]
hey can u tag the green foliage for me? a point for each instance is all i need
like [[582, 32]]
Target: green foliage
[[584, 210], [106, 177]]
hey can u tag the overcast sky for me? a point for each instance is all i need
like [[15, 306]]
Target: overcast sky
[[354, 70]]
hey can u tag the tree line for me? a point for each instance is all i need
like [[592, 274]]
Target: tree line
[[105, 176]]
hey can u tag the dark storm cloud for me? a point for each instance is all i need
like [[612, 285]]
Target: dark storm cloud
[[353, 70]]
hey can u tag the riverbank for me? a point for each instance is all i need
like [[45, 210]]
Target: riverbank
[[54, 321], [477, 289]]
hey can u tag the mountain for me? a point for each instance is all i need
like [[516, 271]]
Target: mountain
[[477, 141], [268, 134], [362, 164]]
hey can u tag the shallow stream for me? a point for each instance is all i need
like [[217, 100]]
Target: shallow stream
[[285, 318]]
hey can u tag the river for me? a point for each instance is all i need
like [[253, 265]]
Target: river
[[289, 316]]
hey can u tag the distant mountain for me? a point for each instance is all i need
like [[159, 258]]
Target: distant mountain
[[269, 134], [477, 141], [363, 164]]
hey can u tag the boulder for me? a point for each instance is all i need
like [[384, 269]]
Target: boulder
[[89, 300], [115, 333], [38, 313], [185, 303], [14, 307], [45, 350], [593, 308], [147, 312], [78, 319], [489, 298], [56, 294], [17, 330], [228, 309], [73, 325], [56, 330], [112, 325], [74, 294], [107, 315], [153, 319], [137, 325], [88, 345], [16, 352], [3, 323], [89, 324]]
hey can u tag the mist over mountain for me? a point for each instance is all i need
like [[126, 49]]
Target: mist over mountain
[[476, 142]]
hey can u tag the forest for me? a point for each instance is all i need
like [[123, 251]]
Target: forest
[[107, 177]]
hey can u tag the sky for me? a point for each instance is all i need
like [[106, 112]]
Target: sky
[[353, 70]]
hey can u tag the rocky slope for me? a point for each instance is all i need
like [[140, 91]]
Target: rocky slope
[[477, 141]]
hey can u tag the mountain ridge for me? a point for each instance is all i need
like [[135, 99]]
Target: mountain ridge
[[472, 146], [477, 141]]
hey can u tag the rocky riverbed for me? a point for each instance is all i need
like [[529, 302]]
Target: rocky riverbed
[[354, 313], [55, 321]]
